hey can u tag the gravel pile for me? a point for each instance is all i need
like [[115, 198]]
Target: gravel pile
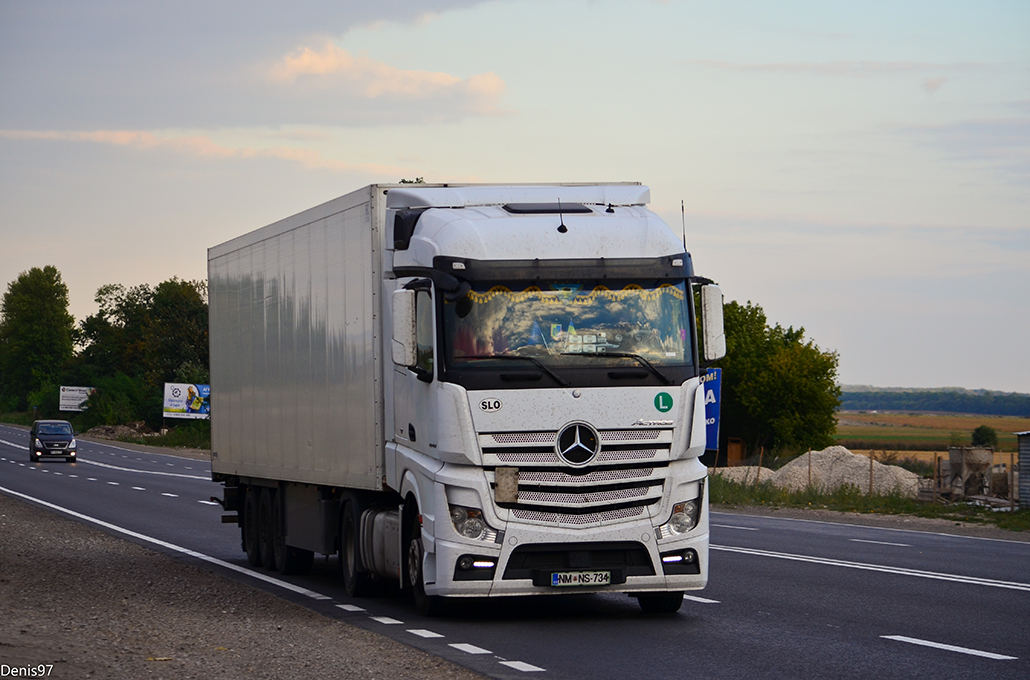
[[832, 468]]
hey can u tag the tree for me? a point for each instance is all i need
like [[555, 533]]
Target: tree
[[36, 333], [985, 435], [779, 391]]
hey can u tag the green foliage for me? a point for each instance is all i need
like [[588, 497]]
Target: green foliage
[[779, 391], [194, 434], [120, 399], [417, 180], [985, 435], [36, 333]]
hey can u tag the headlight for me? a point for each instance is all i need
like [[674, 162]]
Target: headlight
[[71, 444], [469, 523], [39, 444], [684, 518]]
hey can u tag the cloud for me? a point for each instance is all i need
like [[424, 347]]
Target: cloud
[[1003, 143], [372, 79], [849, 69], [931, 85], [198, 146]]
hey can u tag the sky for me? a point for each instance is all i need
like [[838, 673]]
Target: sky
[[861, 170]]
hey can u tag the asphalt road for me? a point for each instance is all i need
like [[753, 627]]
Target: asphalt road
[[786, 598]]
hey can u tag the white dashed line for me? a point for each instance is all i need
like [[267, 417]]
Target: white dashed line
[[949, 648], [730, 526], [522, 666], [469, 649], [423, 633], [170, 495], [208, 502], [113, 483], [91, 479], [702, 600], [138, 488], [386, 620], [350, 608]]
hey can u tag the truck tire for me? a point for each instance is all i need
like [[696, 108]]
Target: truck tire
[[250, 526], [660, 603], [288, 560], [427, 605], [264, 528], [356, 581]]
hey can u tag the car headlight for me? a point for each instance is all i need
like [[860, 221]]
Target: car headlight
[[39, 444], [71, 444], [469, 523], [684, 519]]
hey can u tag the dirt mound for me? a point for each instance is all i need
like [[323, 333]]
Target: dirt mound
[[117, 431], [744, 474], [835, 466]]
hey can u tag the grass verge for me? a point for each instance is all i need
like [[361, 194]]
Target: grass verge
[[850, 499], [193, 435]]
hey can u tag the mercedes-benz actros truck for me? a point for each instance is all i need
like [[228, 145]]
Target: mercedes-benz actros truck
[[468, 390]]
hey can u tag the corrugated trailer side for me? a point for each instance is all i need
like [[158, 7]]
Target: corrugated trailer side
[[296, 372]]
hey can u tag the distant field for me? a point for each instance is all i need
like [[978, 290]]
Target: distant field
[[921, 431]]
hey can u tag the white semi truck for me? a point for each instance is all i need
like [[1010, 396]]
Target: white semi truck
[[469, 390]]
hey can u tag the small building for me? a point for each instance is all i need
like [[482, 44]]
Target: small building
[[1024, 469]]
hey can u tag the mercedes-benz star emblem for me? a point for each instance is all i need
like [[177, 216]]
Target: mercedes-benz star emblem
[[577, 443]]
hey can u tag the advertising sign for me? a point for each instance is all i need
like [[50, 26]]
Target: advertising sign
[[74, 398], [711, 383], [183, 400]]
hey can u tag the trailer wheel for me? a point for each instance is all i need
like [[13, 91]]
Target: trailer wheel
[[250, 526], [288, 560], [356, 582], [264, 528], [660, 603], [427, 605]]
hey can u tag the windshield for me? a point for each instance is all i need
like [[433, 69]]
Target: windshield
[[54, 428], [570, 324]]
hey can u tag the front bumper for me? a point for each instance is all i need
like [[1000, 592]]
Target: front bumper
[[529, 556]]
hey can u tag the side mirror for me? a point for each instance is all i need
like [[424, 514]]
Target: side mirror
[[404, 328], [711, 321]]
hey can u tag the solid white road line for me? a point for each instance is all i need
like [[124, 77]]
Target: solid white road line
[[900, 545], [956, 578], [950, 648], [171, 546], [730, 526]]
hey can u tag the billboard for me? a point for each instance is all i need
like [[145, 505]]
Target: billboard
[[74, 398], [185, 400], [711, 383]]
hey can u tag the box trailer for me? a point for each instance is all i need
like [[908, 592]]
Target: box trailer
[[470, 390]]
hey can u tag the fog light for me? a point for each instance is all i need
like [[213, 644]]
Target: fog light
[[465, 563]]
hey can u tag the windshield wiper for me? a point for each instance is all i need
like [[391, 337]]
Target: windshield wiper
[[625, 355], [561, 381]]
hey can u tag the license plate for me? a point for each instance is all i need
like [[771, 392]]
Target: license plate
[[581, 578]]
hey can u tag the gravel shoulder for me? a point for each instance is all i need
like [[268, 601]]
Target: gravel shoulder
[[96, 606]]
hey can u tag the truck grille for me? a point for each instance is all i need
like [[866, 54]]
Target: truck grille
[[624, 478]]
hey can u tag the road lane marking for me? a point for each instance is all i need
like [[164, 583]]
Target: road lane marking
[[522, 666], [901, 571], [171, 546], [208, 502], [469, 649], [423, 633], [170, 495], [113, 483], [351, 608], [900, 545], [702, 600], [730, 526], [950, 648], [386, 620], [144, 472]]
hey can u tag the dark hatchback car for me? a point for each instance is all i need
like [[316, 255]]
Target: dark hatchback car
[[52, 439]]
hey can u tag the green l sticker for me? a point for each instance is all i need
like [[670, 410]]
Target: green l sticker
[[663, 402]]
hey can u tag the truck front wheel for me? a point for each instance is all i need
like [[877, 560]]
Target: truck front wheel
[[660, 603], [427, 605]]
